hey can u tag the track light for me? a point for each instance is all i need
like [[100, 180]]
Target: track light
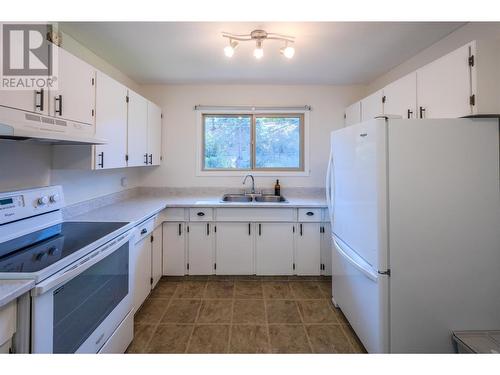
[[229, 50], [258, 52]]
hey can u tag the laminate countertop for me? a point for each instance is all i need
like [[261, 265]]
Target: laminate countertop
[[11, 289]]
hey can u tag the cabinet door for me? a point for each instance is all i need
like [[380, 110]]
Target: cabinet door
[[401, 97], [74, 98], [137, 130], [353, 114], [200, 249], [372, 106], [444, 86], [234, 249], [308, 250], [274, 248], [111, 123], [174, 249], [154, 134], [326, 250], [156, 255], [26, 100], [142, 271]]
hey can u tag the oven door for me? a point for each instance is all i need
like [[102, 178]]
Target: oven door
[[79, 308]]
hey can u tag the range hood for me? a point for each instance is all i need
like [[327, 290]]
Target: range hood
[[18, 125]]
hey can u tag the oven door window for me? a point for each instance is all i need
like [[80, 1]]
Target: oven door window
[[84, 302]]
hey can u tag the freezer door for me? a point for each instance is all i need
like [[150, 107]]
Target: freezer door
[[359, 186], [362, 295]]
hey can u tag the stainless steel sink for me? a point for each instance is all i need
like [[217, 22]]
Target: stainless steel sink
[[236, 198], [270, 198]]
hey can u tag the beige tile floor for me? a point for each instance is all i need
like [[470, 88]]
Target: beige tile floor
[[219, 314]]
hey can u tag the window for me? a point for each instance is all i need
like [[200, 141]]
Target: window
[[256, 142]]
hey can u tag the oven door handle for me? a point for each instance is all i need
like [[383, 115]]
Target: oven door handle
[[81, 265]]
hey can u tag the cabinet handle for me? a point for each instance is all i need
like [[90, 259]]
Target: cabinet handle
[[310, 213], [101, 163], [144, 231], [59, 100], [422, 111], [260, 229], [208, 229], [145, 158], [410, 113], [180, 229], [249, 229], [151, 159], [39, 106], [301, 229], [200, 214]]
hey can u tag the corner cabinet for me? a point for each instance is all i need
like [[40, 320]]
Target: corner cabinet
[[372, 106]]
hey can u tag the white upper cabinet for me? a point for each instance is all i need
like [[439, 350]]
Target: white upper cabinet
[[74, 98], [154, 134], [111, 123], [137, 130], [401, 97], [372, 106], [444, 86], [352, 114], [26, 100]]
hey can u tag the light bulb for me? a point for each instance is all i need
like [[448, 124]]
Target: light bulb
[[229, 51], [288, 52], [258, 52]]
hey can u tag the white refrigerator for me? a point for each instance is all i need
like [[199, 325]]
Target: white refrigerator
[[415, 213]]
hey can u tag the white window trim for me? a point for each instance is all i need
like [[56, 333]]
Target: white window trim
[[199, 144]]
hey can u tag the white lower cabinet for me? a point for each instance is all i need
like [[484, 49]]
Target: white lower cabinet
[[200, 248], [308, 249], [274, 248], [174, 249], [142, 271], [234, 249], [156, 256], [326, 250]]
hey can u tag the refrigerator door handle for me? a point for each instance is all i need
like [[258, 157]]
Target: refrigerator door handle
[[329, 187], [356, 261]]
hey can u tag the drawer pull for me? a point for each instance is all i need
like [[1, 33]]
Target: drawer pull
[[200, 214], [310, 213], [144, 231]]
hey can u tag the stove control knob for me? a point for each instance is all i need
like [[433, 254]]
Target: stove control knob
[[42, 201], [40, 256], [54, 198], [52, 250]]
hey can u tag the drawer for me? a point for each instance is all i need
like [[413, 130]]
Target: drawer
[[256, 214], [310, 214], [173, 214], [201, 214], [121, 338], [145, 228]]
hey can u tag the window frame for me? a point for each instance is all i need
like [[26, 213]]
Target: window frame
[[302, 170]]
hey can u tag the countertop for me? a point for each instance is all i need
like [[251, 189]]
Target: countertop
[[11, 289]]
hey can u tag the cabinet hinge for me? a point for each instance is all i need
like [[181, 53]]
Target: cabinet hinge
[[345, 116], [388, 272], [152, 238], [383, 99], [187, 266], [127, 98], [294, 266], [161, 116], [151, 281], [471, 60], [92, 81], [92, 113], [161, 158], [126, 157], [472, 99]]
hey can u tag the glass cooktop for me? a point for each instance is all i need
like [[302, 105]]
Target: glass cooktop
[[35, 251]]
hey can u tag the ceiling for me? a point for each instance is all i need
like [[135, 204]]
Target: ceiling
[[192, 52]]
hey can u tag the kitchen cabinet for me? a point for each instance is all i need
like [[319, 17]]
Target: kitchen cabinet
[[111, 123], [26, 100], [74, 98], [234, 249], [274, 248], [401, 97], [8, 323], [154, 134], [156, 255], [352, 114], [326, 249], [201, 248], [174, 249], [444, 86], [308, 249], [142, 270], [137, 128], [372, 106]]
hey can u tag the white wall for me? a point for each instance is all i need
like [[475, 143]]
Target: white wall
[[461, 36], [179, 127]]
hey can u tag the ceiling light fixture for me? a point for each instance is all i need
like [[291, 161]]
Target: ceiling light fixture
[[259, 36]]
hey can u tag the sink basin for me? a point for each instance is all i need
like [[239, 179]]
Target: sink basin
[[270, 198], [236, 198]]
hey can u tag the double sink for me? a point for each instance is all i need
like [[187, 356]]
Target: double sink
[[261, 198]]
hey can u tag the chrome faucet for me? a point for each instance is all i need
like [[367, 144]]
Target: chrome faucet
[[253, 183]]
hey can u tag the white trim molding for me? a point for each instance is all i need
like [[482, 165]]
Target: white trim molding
[[230, 110]]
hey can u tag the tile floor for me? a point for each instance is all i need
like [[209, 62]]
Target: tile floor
[[218, 314]]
